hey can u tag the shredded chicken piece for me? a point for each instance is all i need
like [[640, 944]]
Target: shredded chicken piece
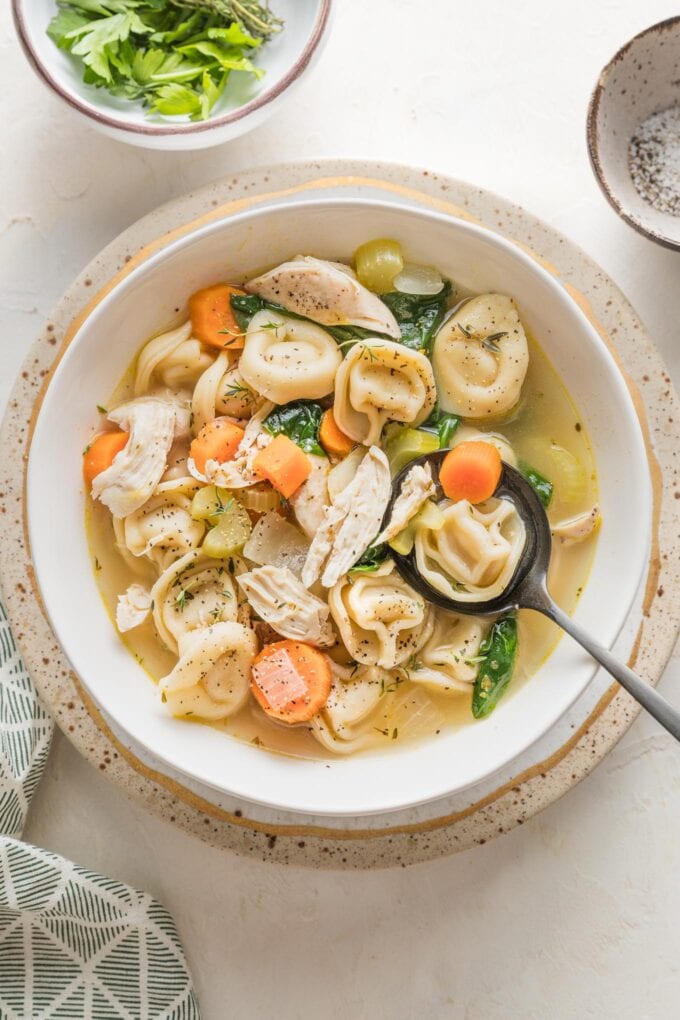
[[311, 499], [417, 487], [153, 424], [278, 597], [325, 292], [576, 529], [350, 523], [133, 607]]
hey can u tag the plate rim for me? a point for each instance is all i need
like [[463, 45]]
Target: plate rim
[[161, 793]]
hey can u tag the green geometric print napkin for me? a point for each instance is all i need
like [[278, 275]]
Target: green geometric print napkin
[[73, 944]]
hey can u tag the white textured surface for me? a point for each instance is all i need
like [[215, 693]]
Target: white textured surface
[[572, 914]]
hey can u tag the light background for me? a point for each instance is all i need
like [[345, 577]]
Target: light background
[[573, 914]]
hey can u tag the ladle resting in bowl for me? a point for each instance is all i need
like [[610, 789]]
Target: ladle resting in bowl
[[527, 588]]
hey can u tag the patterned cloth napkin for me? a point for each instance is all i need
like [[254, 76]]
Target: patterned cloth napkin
[[73, 944]]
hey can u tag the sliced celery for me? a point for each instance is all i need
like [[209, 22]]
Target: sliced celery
[[209, 503], [406, 444], [429, 516], [230, 534], [377, 263]]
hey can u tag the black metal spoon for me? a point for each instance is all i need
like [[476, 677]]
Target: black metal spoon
[[527, 588]]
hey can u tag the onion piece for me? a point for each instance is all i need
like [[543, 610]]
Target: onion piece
[[276, 542], [421, 280]]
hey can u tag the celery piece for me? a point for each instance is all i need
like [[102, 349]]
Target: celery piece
[[406, 444], [230, 534], [377, 263]]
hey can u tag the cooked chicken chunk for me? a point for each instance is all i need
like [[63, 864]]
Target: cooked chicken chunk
[[325, 292], [417, 487], [133, 607], [350, 523], [277, 596], [576, 529], [311, 499], [153, 424]]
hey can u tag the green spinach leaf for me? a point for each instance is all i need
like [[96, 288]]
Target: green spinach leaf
[[542, 486], [443, 423], [419, 315], [299, 421], [498, 653], [371, 559]]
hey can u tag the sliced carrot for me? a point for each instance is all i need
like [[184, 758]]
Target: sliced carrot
[[291, 681], [100, 453], [332, 438], [471, 471], [212, 317], [283, 464], [218, 440]]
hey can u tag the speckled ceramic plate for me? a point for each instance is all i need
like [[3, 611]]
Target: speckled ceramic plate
[[540, 775]]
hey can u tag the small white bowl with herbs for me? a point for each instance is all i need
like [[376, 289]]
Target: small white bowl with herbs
[[172, 74]]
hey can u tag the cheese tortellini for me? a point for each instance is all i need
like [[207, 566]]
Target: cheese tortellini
[[288, 359], [471, 556], [480, 358], [381, 619], [381, 381], [193, 593], [448, 660], [221, 390], [212, 677], [174, 359], [343, 725], [163, 529]]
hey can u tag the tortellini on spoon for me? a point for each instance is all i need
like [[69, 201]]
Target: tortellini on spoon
[[472, 554], [480, 358], [326, 292], [288, 359], [381, 381]]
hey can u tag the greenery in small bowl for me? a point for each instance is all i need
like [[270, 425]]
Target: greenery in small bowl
[[175, 56]]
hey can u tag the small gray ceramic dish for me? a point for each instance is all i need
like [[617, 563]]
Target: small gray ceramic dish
[[641, 79]]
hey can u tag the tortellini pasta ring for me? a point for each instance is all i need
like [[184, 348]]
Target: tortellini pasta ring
[[381, 619], [381, 381], [288, 359], [480, 358]]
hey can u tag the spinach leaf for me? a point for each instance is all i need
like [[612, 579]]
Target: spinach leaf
[[245, 306], [443, 423], [498, 653], [299, 421], [371, 559], [542, 486], [419, 315]]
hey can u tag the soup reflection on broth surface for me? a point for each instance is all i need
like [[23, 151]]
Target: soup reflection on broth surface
[[238, 482]]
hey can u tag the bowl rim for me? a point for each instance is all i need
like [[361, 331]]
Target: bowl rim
[[593, 141], [312, 804], [162, 130]]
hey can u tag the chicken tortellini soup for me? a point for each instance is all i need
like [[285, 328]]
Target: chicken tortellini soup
[[238, 485]]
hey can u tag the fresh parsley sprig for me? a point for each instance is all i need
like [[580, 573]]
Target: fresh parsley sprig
[[175, 56]]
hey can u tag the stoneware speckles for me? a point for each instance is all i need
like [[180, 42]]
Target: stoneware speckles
[[643, 78], [539, 776]]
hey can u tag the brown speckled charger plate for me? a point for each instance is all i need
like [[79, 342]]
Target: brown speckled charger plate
[[535, 780]]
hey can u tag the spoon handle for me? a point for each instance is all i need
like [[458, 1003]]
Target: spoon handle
[[644, 693]]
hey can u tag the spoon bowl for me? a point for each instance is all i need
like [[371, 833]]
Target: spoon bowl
[[528, 587]]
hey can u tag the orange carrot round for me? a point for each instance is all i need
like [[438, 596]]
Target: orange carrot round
[[471, 471], [100, 453], [332, 438], [283, 464], [218, 440], [212, 317], [291, 681]]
